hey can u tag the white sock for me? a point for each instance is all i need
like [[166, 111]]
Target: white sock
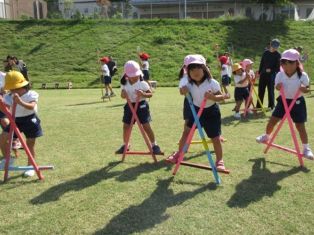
[[154, 143], [306, 146]]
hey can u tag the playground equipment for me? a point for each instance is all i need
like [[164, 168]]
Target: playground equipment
[[145, 137], [197, 124], [287, 117], [14, 129]]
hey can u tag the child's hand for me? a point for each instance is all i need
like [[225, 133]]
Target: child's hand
[[278, 86], [209, 95], [304, 89], [16, 98], [123, 93], [184, 90], [139, 93]]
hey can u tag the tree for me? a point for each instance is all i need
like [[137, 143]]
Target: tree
[[104, 6]]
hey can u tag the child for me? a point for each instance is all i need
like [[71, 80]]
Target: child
[[292, 79], [133, 86], [225, 78], [201, 84], [26, 117], [241, 91], [106, 77], [145, 66], [247, 67]]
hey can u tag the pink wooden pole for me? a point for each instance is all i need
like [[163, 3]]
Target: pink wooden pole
[[147, 141], [248, 100], [189, 139]]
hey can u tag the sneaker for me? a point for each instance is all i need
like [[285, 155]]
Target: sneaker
[[29, 173], [220, 166], [16, 144], [156, 149], [262, 139], [250, 111], [237, 115], [307, 153], [2, 163], [121, 149], [112, 94], [173, 158]]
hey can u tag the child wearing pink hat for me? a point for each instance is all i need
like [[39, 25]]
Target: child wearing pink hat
[[292, 79], [133, 86], [201, 85]]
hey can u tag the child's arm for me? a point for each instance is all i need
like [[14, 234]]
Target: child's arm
[[304, 89], [145, 94], [218, 96], [123, 94], [184, 90], [278, 86], [28, 105]]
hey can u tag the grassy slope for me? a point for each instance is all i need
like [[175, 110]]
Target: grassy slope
[[66, 50]]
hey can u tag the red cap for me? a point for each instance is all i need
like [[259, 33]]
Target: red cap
[[144, 56], [223, 59], [105, 59]]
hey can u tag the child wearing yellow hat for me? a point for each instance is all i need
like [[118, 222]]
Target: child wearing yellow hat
[[26, 118]]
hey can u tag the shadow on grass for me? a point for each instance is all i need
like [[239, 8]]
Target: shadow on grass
[[54, 193], [87, 103], [231, 120], [261, 183], [151, 211]]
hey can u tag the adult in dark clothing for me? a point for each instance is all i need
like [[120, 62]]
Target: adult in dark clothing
[[112, 65], [269, 67]]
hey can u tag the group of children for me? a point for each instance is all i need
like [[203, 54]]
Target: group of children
[[196, 80]]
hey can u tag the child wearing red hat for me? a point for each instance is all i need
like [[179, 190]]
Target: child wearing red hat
[[106, 77], [225, 78], [145, 65]]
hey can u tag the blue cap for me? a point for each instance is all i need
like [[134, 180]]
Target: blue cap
[[275, 43]]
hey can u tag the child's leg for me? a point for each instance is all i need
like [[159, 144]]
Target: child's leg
[[271, 124], [4, 137], [302, 132], [106, 88], [110, 88], [217, 147], [4, 122], [125, 132], [225, 89], [238, 105], [184, 135], [31, 146], [148, 130]]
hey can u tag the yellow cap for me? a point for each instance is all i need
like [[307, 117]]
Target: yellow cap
[[236, 67], [14, 80]]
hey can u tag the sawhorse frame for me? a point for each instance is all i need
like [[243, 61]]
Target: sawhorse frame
[[145, 137], [287, 116], [14, 129], [197, 124]]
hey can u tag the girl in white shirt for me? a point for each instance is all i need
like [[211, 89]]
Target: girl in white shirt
[[133, 86], [292, 79]]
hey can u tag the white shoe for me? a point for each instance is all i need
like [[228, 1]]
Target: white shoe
[[250, 112], [29, 173], [2, 163], [237, 115], [307, 153], [262, 139]]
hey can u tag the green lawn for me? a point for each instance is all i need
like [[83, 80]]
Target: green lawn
[[92, 192]]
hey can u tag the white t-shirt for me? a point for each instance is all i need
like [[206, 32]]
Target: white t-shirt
[[145, 65], [131, 89], [224, 70], [2, 79], [238, 78], [198, 91], [184, 81], [292, 84], [27, 97], [105, 70]]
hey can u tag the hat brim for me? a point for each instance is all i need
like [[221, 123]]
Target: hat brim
[[15, 86], [138, 73]]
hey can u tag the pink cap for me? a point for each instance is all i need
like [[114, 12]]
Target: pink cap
[[290, 54], [186, 60], [132, 69], [196, 59], [246, 62]]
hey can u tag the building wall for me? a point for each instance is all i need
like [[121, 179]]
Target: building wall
[[85, 7], [15, 9]]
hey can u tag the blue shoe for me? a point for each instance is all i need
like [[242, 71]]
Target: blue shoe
[[121, 149], [156, 149]]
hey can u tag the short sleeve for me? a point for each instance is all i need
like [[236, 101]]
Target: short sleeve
[[278, 78], [33, 96], [144, 86], [183, 81], [215, 86], [305, 80], [8, 99]]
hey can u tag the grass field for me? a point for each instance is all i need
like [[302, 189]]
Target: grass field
[[92, 192]]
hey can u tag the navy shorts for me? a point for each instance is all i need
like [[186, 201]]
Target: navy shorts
[[298, 112], [146, 75], [106, 80], [29, 125], [225, 80], [241, 93], [2, 115], [142, 113], [187, 113], [210, 120]]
